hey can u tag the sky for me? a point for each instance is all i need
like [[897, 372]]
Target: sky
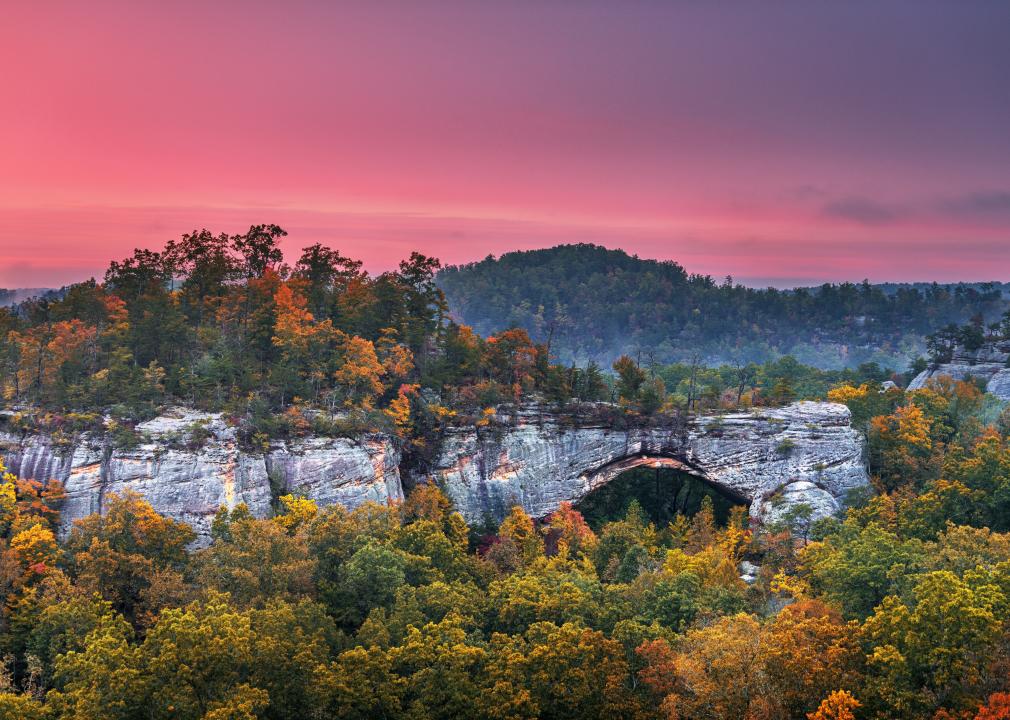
[[781, 143]]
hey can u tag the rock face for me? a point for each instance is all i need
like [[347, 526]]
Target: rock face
[[772, 459], [988, 364], [191, 483]]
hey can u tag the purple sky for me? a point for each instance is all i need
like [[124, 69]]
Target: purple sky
[[788, 142]]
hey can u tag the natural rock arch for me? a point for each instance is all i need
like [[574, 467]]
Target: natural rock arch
[[611, 471], [769, 458]]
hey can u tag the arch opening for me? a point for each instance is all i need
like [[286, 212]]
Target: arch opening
[[663, 487]]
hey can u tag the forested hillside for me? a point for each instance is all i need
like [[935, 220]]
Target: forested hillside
[[896, 608], [311, 345], [15, 295], [897, 611], [595, 303], [222, 322], [315, 344]]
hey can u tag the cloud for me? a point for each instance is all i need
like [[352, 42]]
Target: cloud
[[861, 210], [990, 207], [989, 204]]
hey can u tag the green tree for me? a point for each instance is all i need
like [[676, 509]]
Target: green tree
[[630, 379]]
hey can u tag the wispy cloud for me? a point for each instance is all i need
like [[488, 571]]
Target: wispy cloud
[[986, 204], [864, 211]]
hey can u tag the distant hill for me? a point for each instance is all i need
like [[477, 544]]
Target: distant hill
[[16, 295], [595, 304]]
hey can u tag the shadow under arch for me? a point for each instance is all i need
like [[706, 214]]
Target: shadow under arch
[[665, 485]]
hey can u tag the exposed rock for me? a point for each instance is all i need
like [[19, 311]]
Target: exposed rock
[[749, 572], [771, 458], [988, 364], [190, 484], [800, 493], [338, 471]]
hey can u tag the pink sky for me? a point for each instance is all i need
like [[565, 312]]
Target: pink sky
[[798, 142]]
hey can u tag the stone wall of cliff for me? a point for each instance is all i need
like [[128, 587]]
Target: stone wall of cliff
[[772, 458], [190, 484], [988, 364]]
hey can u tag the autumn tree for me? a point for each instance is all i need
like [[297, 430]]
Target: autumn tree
[[839, 705], [256, 561], [116, 554], [328, 275], [206, 265], [901, 448], [630, 379], [911, 666], [996, 708]]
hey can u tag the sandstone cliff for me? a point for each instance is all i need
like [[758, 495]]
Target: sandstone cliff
[[988, 364], [190, 484], [771, 458]]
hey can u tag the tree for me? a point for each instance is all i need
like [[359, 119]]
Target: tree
[[45, 353], [809, 652], [716, 672], [21, 707], [305, 344], [518, 532], [146, 273], [156, 329], [915, 664], [653, 395], [630, 379], [256, 561], [244, 703], [941, 344], [512, 359], [569, 531], [782, 392], [328, 273], [103, 680], [258, 248], [839, 705], [362, 685], [865, 401], [570, 672], [49, 620], [996, 708], [8, 499], [35, 550], [370, 578], [424, 303], [359, 372], [117, 554], [858, 567], [205, 262], [589, 383], [442, 671], [556, 590], [901, 447]]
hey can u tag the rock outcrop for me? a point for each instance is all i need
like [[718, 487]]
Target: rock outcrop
[[772, 459], [988, 364], [191, 483]]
